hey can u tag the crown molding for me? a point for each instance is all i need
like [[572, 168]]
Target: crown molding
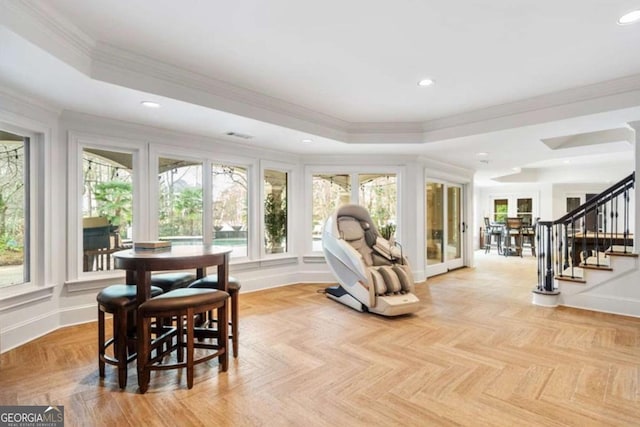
[[44, 27], [323, 161], [118, 66], [436, 169], [385, 133], [551, 100], [88, 124], [19, 102], [40, 24], [538, 115]]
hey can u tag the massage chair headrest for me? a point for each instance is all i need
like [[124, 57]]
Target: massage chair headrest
[[350, 228]]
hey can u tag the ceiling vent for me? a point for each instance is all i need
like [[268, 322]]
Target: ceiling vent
[[239, 135]]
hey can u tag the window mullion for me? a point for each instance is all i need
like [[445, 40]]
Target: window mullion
[[207, 203]]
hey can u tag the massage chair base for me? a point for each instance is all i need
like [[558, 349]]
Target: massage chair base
[[338, 293], [390, 305], [396, 305]]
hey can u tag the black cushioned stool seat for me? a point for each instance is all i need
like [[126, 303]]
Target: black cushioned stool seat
[[119, 300], [211, 282], [171, 281], [182, 303]]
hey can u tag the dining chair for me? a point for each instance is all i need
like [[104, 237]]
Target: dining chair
[[492, 232], [512, 244]]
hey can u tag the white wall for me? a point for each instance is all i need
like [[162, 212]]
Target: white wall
[[61, 296], [32, 309], [562, 191]]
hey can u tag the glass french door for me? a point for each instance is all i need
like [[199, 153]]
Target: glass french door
[[445, 227]]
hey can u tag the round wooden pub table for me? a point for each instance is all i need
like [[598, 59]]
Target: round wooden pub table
[[140, 263]]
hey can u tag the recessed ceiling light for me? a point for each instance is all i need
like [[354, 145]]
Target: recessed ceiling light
[[629, 18], [150, 104], [426, 82], [566, 162], [306, 140], [482, 154]]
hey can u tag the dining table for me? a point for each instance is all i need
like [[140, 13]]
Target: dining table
[[140, 263]]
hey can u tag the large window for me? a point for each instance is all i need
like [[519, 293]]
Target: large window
[[328, 191], [107, 206], [180, 201], [525, 210], [230, 200], [500, 210], [14, 209], [379, 194], [275, 211], [572, 203]]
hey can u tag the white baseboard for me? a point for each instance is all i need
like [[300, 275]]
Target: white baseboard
[[604, 304], [21, 333], [79, 314]]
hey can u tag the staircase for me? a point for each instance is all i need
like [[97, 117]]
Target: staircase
[[586, 258]]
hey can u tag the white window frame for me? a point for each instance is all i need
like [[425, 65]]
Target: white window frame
[[157, 152], [77, 143], [253, 239], [35, 220], [208, 158], [353, 172], [512, 200], [289, 170]]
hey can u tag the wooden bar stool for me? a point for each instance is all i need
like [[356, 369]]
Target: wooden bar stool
[[184, 304], [119, 300], [211, 282]]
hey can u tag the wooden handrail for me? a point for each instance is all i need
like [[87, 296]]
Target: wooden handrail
[[605, 196]]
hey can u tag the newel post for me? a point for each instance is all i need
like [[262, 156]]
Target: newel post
[[544, 294]]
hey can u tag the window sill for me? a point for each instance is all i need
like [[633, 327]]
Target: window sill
[[272, 261], [18, 295], [314, 258]]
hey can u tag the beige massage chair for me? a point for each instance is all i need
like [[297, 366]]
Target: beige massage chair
[[373, 274]]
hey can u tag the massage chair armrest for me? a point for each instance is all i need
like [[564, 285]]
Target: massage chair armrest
[[384, 248]]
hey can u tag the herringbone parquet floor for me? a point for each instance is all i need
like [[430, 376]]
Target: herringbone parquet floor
[[476, 354]]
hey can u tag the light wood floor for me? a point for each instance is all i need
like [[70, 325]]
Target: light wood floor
[[477, 354]]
